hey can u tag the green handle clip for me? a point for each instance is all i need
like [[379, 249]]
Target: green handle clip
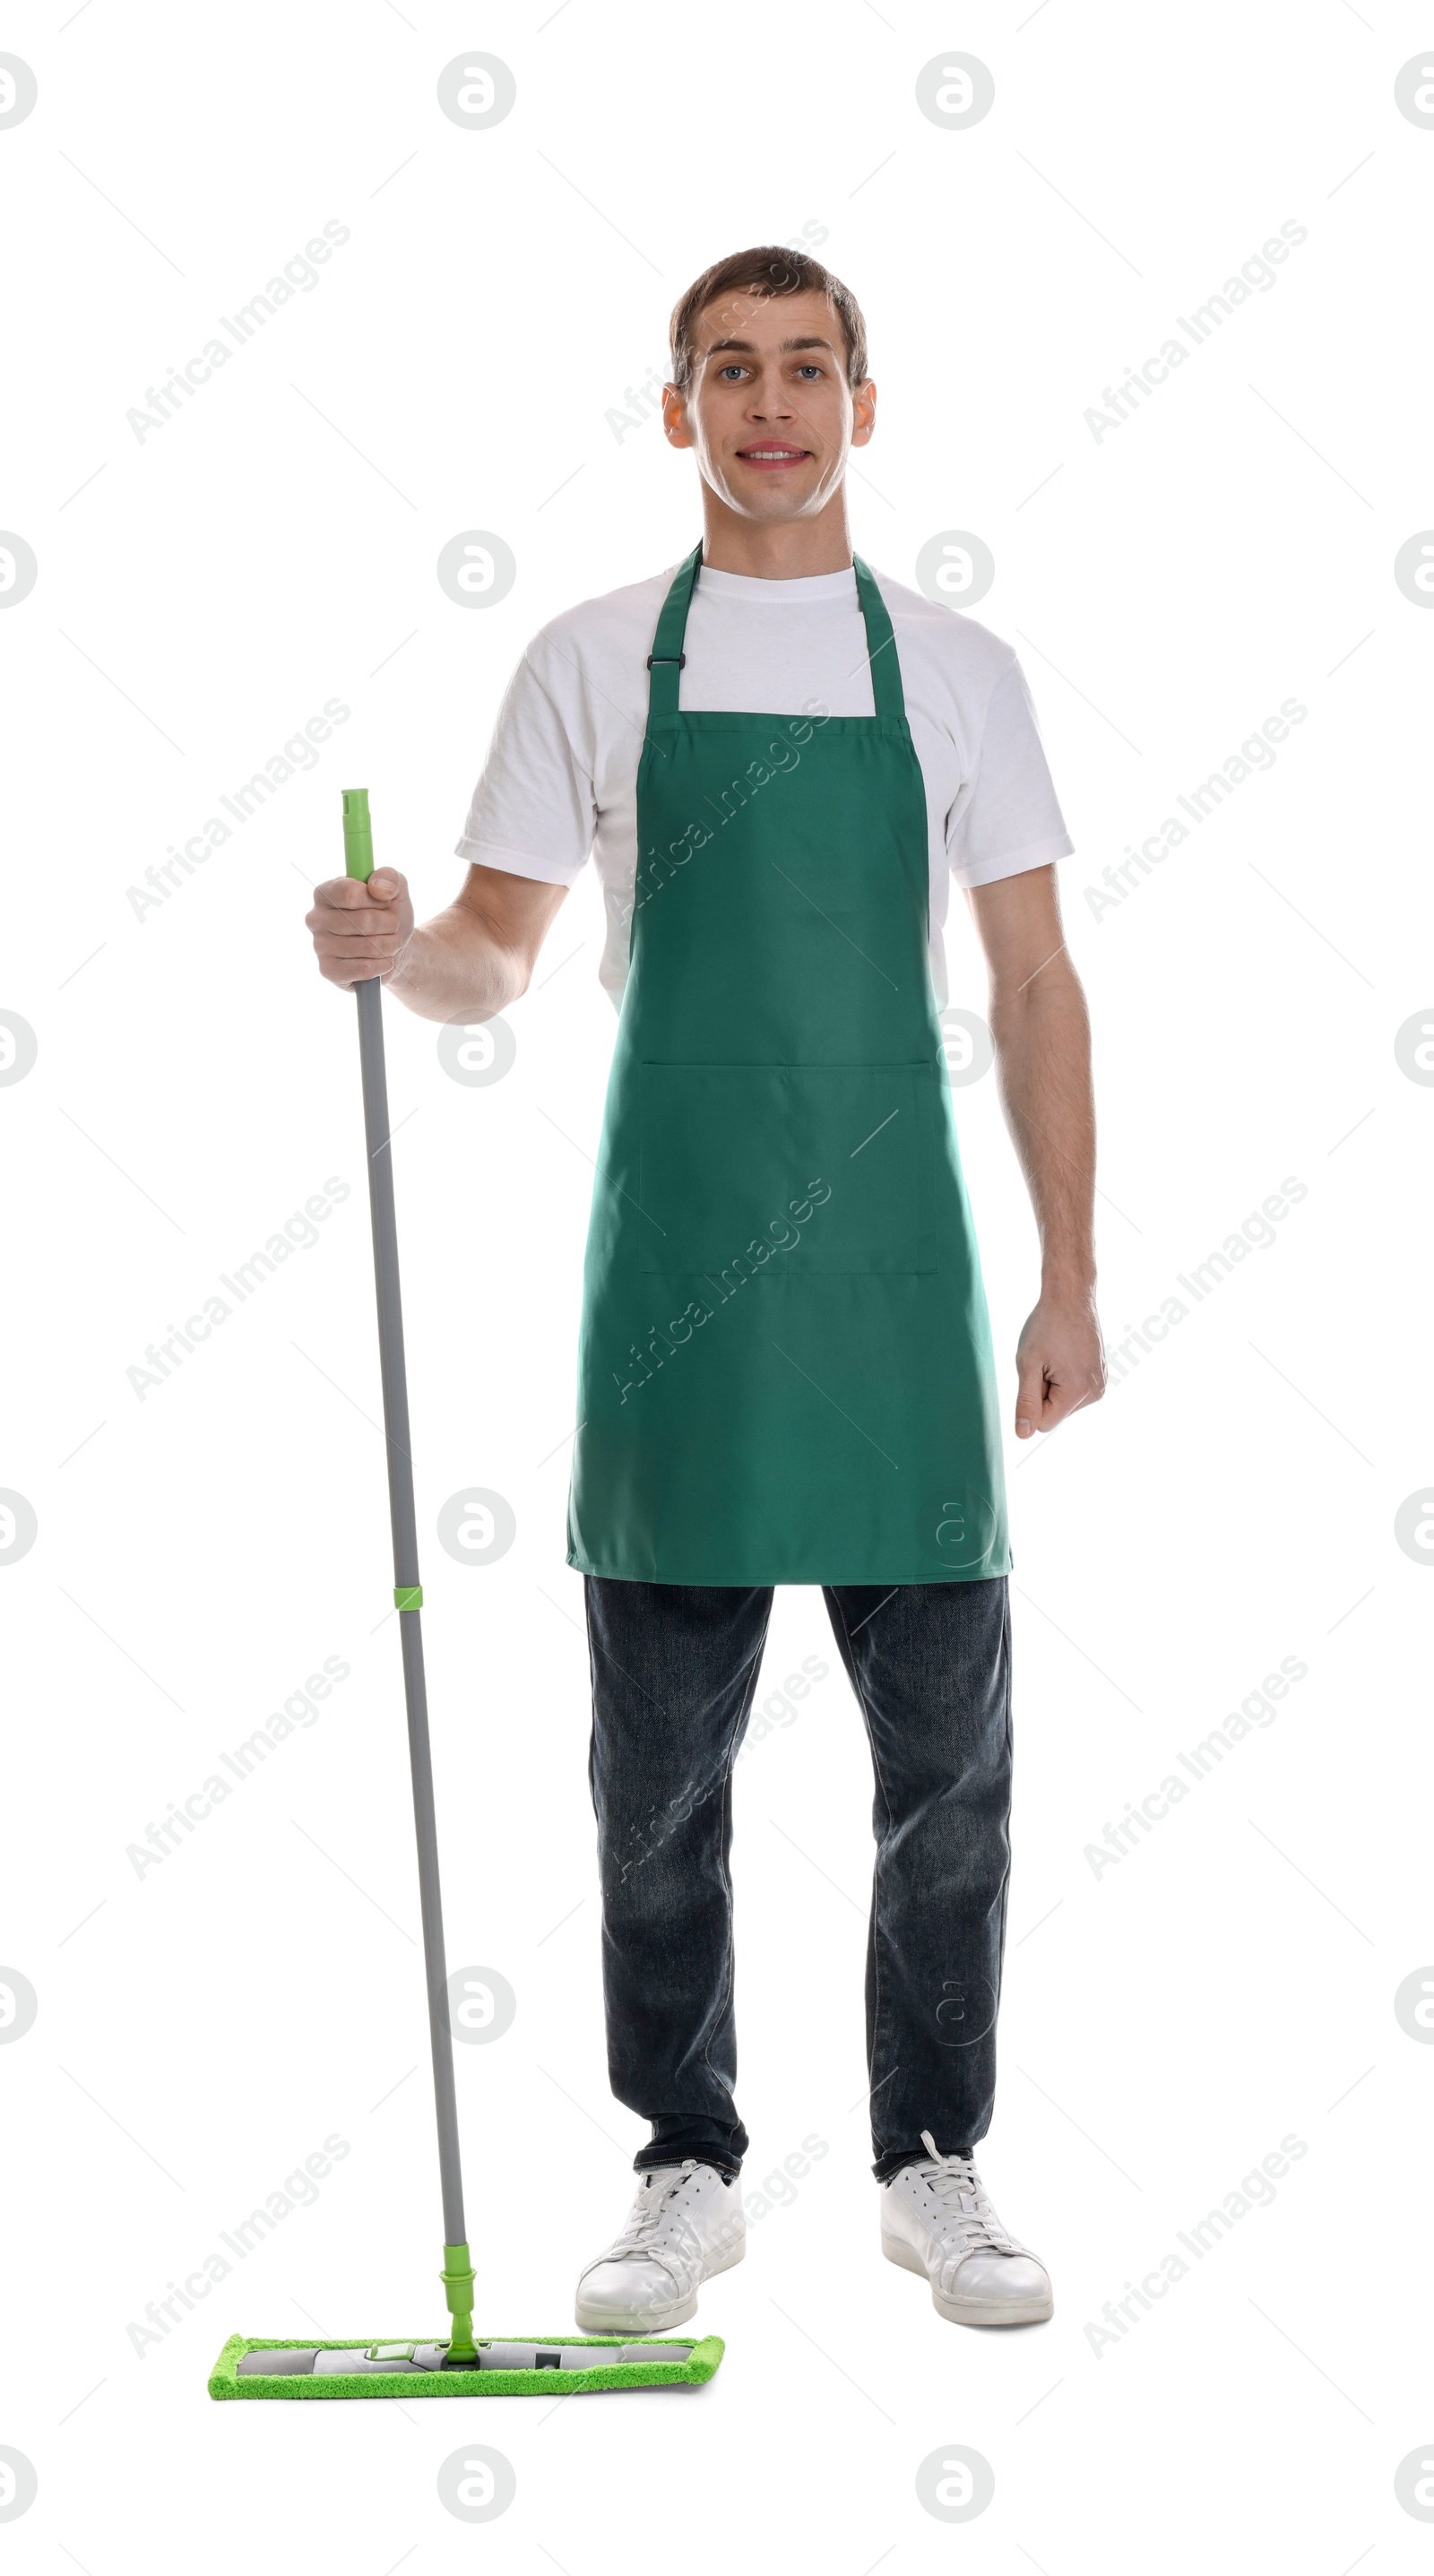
[[358, 834]]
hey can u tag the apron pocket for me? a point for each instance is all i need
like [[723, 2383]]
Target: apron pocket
[[778, 1167]]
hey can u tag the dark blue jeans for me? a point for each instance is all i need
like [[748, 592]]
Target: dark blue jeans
[[674, 1668]]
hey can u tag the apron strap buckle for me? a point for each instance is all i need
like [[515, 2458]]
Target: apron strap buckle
[[679, 658]]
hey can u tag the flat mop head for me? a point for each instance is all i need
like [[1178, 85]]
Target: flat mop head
[[564, 2366]]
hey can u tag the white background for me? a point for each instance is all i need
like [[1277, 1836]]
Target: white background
[[200, 595]]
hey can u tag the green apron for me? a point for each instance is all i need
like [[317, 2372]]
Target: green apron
[[785, 1360]]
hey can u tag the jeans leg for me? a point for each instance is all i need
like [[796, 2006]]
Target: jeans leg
[[674, 1667], [931, 1667]]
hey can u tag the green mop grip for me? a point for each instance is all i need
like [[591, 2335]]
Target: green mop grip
[[358, 834]]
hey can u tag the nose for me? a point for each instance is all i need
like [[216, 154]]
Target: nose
[[771, 399]]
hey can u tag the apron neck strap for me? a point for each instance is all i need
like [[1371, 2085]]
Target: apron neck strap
[[887, 694], [664, 666], [664, 662]]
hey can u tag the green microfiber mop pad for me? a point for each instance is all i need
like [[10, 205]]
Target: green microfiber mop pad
[[697, 2364]]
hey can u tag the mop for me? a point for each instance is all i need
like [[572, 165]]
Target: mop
[[460, 2365]]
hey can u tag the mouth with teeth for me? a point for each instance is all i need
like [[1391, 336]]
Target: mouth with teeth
[[773, 455]]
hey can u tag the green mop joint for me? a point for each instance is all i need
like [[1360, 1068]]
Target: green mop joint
[[457, 2279], [408, 1596]]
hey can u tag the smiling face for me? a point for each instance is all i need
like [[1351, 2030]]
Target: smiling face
[[770, 410]]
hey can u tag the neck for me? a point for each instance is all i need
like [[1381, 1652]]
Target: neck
[[786, 550]]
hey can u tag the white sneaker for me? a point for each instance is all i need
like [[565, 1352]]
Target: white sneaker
[[686, 2223], [936, 2218]]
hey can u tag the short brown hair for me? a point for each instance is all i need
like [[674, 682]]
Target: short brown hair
[[769, 270]]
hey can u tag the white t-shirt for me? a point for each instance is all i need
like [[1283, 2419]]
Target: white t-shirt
[[560, 779]]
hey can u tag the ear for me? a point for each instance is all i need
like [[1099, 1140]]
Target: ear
[[863, 412], [674, 417]]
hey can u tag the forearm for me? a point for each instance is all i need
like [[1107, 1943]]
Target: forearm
[[1041, 1034], [457, 967]]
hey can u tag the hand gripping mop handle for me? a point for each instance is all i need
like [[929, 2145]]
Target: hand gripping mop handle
[[457, 2274]]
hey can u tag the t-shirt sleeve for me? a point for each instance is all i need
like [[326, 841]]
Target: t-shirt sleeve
[[1006, 818], [533, 810]]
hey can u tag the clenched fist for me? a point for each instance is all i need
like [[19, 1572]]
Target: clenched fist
[[361, 930]]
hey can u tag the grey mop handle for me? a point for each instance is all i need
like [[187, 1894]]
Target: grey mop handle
[[405, 1576]]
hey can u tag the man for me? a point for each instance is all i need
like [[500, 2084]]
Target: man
[[779, 760]]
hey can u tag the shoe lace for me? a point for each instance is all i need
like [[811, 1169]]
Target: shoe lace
[[654, 2227], [967, 2216]]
